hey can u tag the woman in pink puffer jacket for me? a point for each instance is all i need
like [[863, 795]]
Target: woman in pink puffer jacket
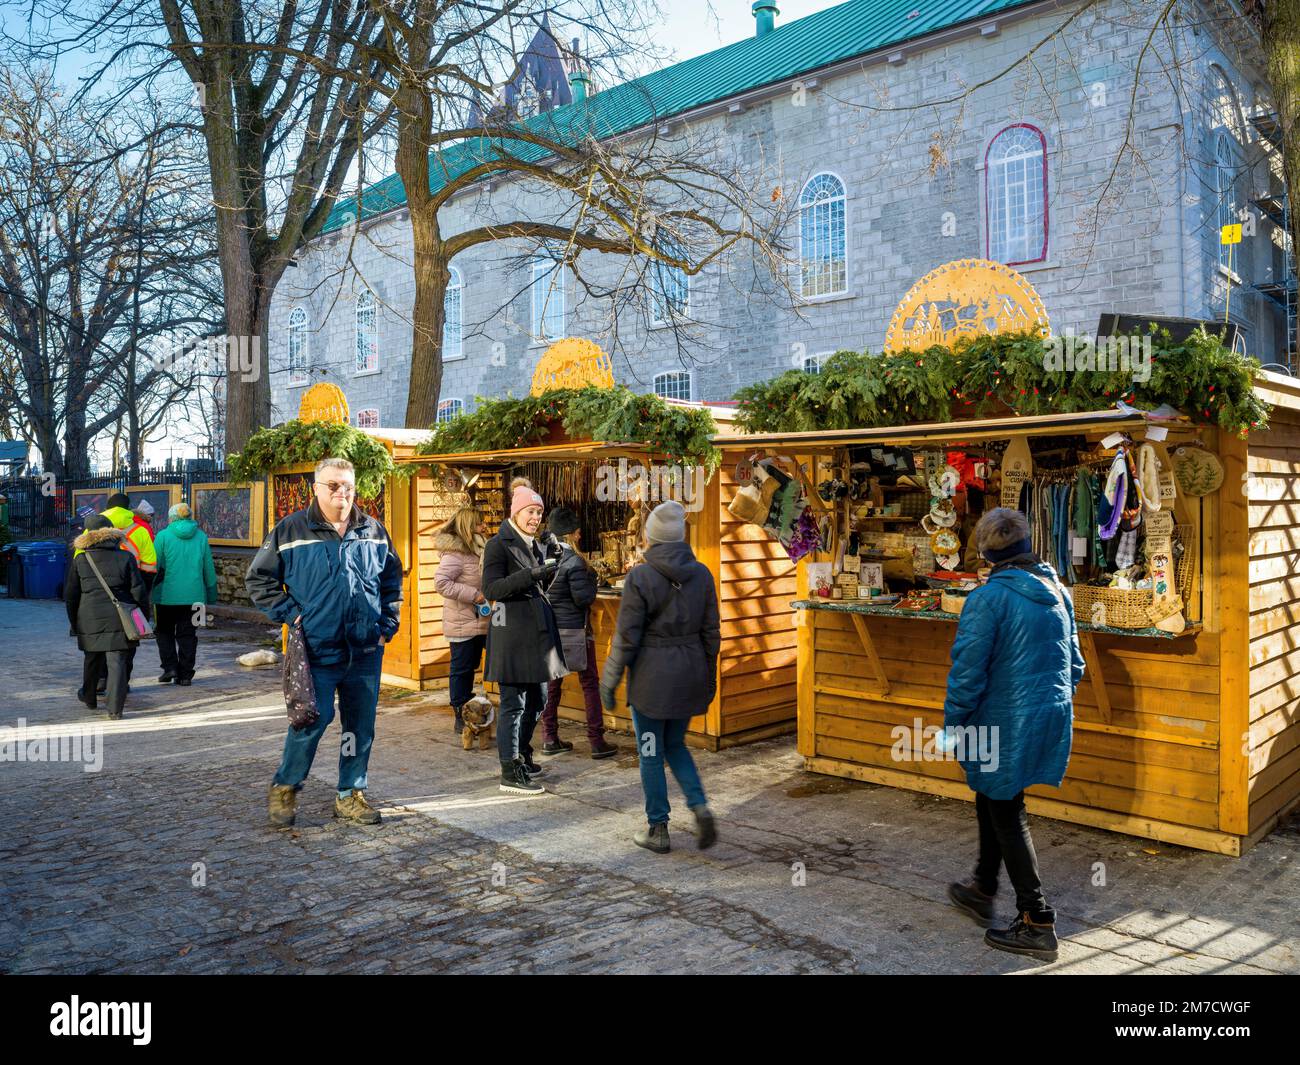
[[459, 581]]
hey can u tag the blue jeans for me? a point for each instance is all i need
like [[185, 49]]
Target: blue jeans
[[465, 658], [665, 740], [357, 685], [521, 706]]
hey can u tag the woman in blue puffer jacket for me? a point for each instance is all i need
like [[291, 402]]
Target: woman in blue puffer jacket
[[1015, 665]]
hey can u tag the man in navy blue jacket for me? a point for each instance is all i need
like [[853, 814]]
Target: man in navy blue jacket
[[332, 569]]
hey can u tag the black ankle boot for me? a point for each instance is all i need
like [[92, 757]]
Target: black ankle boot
[[1025, 937], [972, 901], [458, 722]]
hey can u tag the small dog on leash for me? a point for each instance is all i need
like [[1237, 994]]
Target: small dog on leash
[[479, 715]]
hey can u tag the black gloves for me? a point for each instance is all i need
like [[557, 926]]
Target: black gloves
[[540, 573], [554, 549]]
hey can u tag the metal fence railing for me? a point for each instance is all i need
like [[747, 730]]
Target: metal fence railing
[[41, 508]]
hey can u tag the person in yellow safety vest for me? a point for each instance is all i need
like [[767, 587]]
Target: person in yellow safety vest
[[139, 540]]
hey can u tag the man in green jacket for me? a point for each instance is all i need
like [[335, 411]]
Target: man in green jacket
[[187, 580]]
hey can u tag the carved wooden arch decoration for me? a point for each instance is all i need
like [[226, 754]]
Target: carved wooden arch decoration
[[324, 402], [572, 363], [965, 298]]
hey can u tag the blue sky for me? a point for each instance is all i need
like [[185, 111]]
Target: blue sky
[[691, 27]]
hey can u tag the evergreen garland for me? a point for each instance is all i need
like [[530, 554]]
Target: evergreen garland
[[296, 442], [985, 374], [617, 415]]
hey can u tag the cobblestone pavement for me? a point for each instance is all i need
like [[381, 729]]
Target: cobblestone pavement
[[162, 861]]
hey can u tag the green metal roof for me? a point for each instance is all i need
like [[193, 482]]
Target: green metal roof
[[851, 29]]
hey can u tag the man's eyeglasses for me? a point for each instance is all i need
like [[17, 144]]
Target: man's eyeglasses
[[339, 489]]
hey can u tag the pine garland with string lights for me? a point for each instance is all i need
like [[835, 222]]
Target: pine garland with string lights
[[619, 415], [296, 442], [1009, 372]]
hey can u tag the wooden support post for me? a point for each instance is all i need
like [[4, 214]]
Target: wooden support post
[[1232, 572], [805, 697], [1098, 679], [860, 623]]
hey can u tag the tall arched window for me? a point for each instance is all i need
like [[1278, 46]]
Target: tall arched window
[[297, 346], [1225, 174], [1015, 189], [548, 299], [670, 285], [823, 258], [451, 327], [367, 334]]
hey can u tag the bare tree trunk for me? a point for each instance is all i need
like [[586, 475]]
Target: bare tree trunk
[[248, 293], [432, 268], [429, 314], [1282, 50]]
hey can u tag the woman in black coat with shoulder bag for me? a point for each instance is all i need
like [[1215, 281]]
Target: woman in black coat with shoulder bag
[[94, 618], [523, 641], [667, 638]]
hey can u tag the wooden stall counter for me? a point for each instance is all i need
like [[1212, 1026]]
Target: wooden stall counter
[[1146, 746]]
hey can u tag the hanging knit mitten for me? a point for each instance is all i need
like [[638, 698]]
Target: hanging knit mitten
[[1148, 478]]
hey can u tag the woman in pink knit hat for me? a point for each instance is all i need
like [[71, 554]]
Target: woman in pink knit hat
[[523, 641]]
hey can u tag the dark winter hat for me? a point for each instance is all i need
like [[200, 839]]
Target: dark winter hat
[[563, 521], [119, 499], [97, 521]]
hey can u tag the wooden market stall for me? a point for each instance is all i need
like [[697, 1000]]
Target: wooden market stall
[[753, 576], [1190, 737]]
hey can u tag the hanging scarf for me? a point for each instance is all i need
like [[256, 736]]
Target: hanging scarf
[[1131, 518], [1111, 505]]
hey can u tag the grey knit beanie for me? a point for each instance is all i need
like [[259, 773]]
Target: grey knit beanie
[[667, 522]]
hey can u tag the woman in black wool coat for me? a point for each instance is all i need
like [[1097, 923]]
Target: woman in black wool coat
[[93, 617], [523, 641]]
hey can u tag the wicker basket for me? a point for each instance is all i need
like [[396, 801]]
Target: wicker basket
[[1123, 608], [1127, 609]]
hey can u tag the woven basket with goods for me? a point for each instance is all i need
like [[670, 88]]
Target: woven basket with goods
[[1124, 608]]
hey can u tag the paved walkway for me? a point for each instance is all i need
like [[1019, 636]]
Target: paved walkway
[[162, 860]]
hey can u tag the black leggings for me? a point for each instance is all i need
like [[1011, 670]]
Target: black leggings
[[1005, 839]]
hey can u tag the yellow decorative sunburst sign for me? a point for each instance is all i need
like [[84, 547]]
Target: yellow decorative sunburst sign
[[572, 363], [323, 402], [965, 298]]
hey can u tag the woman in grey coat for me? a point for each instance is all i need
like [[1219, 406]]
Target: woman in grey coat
[[667, 638]]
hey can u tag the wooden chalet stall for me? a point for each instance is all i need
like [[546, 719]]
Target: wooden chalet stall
[[755, 581], [1190, 737]]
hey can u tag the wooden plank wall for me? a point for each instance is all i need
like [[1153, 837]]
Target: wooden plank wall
[[757, 583], [1273, 490], [434, 504], [1156, 757]]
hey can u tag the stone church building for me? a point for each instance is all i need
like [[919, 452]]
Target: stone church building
[[1105, 198]]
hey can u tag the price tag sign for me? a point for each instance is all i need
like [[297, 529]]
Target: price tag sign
[[1160, 525]]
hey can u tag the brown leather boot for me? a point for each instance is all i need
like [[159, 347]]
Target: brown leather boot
[[282, 805]]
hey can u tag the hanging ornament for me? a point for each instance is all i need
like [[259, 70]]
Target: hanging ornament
[[1198, 470]]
